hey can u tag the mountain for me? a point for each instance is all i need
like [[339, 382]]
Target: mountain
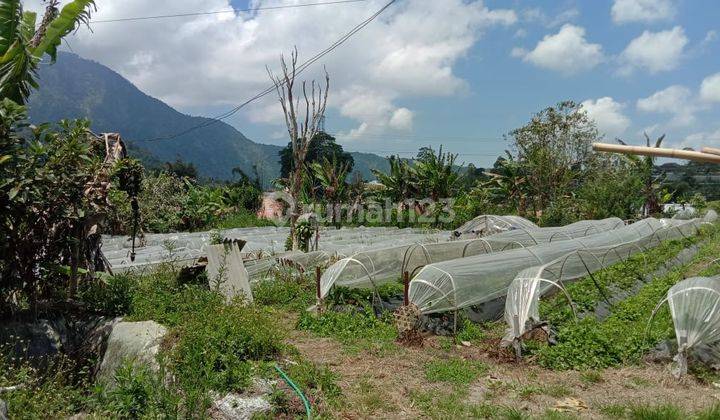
[[74, 87]]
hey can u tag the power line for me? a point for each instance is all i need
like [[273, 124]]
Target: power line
[[272, 88], [442, 138], [256, 9]]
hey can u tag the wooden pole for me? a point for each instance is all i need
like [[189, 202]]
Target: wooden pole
[[406, 288], [318, 294], [711, 150], [656, 151]]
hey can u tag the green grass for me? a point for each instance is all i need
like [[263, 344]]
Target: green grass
[[356, 329], [663, 411], [212, 347], [455, 371]]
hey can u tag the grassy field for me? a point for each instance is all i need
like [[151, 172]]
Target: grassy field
[[350, 364]]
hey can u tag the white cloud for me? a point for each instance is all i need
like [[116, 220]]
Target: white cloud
[[625, 11], [536, 15], [675, 100], [402, 119], [710, 88], [608, 115], [567, 51], [219, 60], [654, 51], [698, 140]]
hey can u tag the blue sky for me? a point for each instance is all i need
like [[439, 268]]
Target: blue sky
[[452, 72], [504, 91]]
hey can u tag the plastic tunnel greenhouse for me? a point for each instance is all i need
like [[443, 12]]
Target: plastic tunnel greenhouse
[[373, 267], [489, 224], [695, 309], [521, 305], [460, 283]]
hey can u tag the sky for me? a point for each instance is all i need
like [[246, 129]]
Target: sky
[[459, 73]]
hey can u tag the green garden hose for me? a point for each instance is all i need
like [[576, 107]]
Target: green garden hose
[[297, 390]]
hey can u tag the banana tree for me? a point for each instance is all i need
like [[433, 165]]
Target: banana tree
[[652, 184], [332, 175], [400, 182], [22, 46]]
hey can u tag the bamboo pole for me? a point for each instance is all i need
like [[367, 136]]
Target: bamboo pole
[[656, 151], [711, 150]]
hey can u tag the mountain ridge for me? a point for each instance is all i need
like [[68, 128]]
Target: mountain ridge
[[75, 87]]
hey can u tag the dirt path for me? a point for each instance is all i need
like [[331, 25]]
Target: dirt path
[[394, 385]]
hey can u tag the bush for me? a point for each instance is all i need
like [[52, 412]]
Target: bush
[[50, 200], [110, 295], [169, 203]]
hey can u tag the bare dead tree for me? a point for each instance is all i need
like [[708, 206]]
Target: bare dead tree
[[303, 114]]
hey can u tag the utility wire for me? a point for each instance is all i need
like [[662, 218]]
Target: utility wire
[[256, 9], [272, 88]]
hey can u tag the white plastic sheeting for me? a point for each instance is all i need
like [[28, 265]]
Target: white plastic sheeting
[[695, 309], [464, 282], [373, 267], [489, 224], [186, 248], [522, 301]]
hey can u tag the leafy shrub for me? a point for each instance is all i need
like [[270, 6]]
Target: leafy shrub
[[169, 203], [110, 295], [47, 209], [469, 331]]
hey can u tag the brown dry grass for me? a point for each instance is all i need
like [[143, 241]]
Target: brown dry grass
[[384, 385]]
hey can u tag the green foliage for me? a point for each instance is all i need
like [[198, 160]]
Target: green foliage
[[348, 327], [432, 175], [23, 46], [169, 203], [456, 371], [109, 295], [469, 331], [294, 293], [321, 147], [623, 337], [215, 350], [319, 382], [614, 191], [47, 209], [55, 392], [139, 392]]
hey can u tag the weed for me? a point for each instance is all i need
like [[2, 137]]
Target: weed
[[291, 293], [349, 327], [591, 377], [456, 371], [469, 331]]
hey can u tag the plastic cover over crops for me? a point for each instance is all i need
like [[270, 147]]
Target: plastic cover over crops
[[695, 309], [521, 305], [377, 266], [464, 282], [488, 224]]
